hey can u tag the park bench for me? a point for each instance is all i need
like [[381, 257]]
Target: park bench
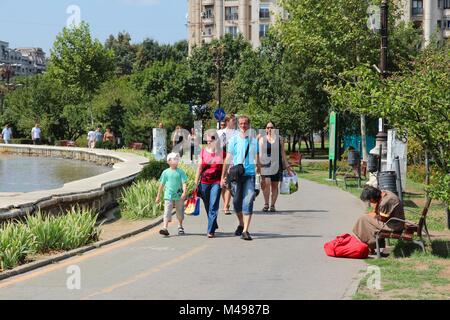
[[295, 160], [67, 143], [410, 230], [136, 146]]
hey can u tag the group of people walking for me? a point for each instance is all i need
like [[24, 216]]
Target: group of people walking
[[227, 168], [94, 137]]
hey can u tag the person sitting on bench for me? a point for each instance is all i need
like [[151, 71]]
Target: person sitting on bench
[[387, 205]]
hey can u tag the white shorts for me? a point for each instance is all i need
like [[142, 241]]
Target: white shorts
[[168, 207]]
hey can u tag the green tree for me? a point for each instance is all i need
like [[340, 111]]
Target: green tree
[[124, 52], [80, 63]]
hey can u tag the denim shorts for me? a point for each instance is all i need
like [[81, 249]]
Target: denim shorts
[[244, 195]]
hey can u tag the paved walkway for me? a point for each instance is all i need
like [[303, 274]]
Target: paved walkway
[[285, 261]]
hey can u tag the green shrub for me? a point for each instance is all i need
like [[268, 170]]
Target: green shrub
[[153, 170], [416, 173], [79, 228], [190, 172], [138, 201], [16, 242], [47, 230]]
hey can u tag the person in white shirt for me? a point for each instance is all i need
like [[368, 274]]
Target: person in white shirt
[[36, 134], [7, 134], [225, 136], [91, 137]]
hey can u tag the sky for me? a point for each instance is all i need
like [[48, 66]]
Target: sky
[[31, 23]]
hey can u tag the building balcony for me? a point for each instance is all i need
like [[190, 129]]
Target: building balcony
[[208, 2]]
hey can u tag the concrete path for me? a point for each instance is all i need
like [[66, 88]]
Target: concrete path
[[286, 260]]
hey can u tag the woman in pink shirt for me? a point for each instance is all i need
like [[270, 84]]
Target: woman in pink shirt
[[209, 174]]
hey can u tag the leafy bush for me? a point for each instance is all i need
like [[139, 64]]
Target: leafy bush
[[416, 173], [153, 170], [16, 242], [79, 228], [47, 231], [138, 201], [74, 229], [190, 172]]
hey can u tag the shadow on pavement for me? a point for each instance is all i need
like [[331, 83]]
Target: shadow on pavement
[[281, 212]]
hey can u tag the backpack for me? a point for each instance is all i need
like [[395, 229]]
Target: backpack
[[346, 246]]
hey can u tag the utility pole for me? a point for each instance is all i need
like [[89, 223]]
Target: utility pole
[[217, 51]]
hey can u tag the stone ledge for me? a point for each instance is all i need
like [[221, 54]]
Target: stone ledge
[[99, 192]]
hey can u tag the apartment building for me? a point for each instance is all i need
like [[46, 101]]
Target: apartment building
[[23, 61], [212, 19], [433, 16]]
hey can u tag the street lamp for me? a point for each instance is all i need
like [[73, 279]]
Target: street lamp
[[217, 51], [381, 138]]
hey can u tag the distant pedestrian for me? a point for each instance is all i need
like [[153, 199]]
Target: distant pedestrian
[[178, 140], [208, 175], [98, 135], [227, 132], [109, 135], [272, 146], [243, 152], [193, 139], [174, 183], [7, 134], [36, 134], [91, 138]]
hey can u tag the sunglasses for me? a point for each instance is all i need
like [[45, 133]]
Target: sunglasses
[[269, 127]]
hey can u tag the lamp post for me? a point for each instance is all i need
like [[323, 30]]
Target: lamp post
[[381, 138], [217, 51]]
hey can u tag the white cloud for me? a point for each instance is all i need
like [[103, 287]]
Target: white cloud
[[141, 2]]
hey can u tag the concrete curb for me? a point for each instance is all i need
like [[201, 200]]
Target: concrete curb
[[66, 255], [354, 285]]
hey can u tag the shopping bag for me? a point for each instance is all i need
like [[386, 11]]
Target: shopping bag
[[289, 185], [257, 185], [192, 205]]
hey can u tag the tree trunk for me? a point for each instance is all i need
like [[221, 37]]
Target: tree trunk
[[364, 138], [427, 168], [322, 139], [289, 143], [308, 150], [313, 147]]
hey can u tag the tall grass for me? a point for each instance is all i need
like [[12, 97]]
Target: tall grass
[[42, 234], [138, 201], [16, 242]]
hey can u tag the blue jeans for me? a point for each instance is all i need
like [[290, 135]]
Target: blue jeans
[[244, 195], [211, 198]]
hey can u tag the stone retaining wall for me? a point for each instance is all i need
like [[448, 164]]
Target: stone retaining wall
[[100, 192]]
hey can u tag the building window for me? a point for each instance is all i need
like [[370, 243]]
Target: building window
[[264, 11], [417, 7], [444, 4], [231, 13], [208, 13], [232, 30], [263, 30]]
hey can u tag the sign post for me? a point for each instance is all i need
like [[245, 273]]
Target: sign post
[[333, 145]]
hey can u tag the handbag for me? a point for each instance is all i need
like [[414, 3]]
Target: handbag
[[237, 172], [192, 205]]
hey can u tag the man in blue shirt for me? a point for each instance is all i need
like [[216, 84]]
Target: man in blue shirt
[[244, 188]]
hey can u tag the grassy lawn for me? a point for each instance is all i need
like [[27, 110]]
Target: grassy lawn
[[407, 273]]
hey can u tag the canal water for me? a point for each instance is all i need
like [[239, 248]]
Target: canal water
[[27, 174]]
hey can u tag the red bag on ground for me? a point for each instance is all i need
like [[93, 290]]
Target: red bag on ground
[[347, 246]]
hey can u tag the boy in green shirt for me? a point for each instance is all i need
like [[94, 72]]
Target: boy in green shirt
[[173, 181]]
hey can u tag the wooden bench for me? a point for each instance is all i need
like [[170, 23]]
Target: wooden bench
[[295, 160], [407, 234], [136, 146]]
